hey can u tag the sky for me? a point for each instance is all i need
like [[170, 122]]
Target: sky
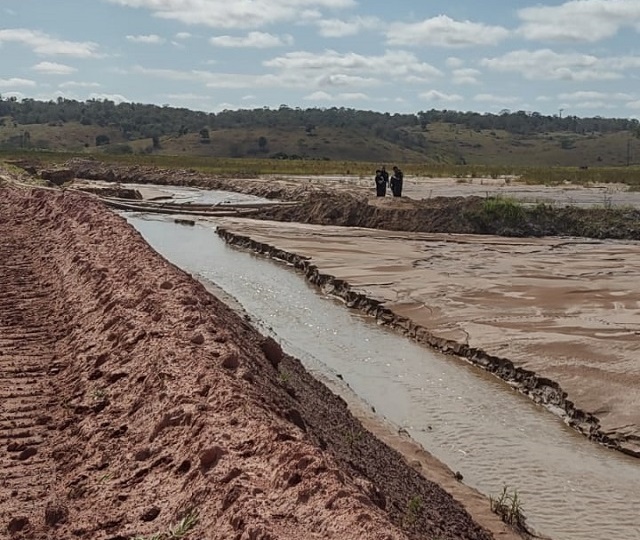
[[577, 57]]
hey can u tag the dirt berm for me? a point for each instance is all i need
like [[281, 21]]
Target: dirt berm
[[132, 402], [348, 204]]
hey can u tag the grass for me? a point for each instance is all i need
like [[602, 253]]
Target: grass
[[508, 506], [412, 512], [284, 377], [503, 209], [353, 437], [178, 531]]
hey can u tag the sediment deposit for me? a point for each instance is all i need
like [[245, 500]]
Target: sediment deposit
[[133, 401], [552, 316]]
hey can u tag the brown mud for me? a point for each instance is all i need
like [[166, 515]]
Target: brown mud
[[354, 206], [131, 398]]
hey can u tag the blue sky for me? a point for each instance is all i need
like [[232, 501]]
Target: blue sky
[[581, 56]]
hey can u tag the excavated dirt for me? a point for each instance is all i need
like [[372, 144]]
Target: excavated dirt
[[350, 202], [130, 398]]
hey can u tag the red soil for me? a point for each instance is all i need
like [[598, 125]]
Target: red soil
[[130, 397]]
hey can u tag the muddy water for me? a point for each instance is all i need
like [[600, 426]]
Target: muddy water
[[571, 488]]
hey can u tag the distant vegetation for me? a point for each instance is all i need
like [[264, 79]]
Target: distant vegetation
[[436, 137]]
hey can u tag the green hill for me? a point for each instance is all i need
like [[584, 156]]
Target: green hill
[[435, 137]]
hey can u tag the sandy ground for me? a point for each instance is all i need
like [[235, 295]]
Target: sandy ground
[[132, 400], [567, 309], [428, 188]]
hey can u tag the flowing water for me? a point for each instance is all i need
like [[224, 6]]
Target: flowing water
[[473, 422]]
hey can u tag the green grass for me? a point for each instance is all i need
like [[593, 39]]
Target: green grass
[[508, 506], [412, 512], [178, 531], [503, 209]]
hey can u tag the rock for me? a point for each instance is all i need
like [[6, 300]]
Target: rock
[[230, 360], [150, 514], [17, 524], [57, 176], [210, 457], [55, 513], [197, 339]]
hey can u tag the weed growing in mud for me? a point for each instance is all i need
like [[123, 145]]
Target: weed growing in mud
[[509, 508], [414, 506], [99, 394], [284, 376], [353, 438], [179, 530]]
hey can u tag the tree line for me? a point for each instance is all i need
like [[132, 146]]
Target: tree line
[[137, 120]]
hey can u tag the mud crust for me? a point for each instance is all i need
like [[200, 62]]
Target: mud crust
[[544, 391]]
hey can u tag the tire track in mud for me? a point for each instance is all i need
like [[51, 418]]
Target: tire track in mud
[[27, 355]]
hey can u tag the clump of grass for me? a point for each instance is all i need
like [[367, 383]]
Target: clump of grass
[[353, 437], [178, 531], [503, 209], [414, 507], [509, 508], [284, 377]]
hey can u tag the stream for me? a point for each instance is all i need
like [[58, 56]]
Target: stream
[[571, 488]]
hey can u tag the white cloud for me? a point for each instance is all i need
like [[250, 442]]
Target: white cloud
[[590, 95], [149, 39], [45, 45], [454, 62], [579, 20], [633, 104], [465, 76], [239, 14], [188, 96], [16, 82], [435, 95], [53, 68], [319, 96], [353, 96], [492, 98], [549, 65], [257, 40], [443, 31], [76, 84], [333, 28], [248, 97], [330, 64], [183, 35]]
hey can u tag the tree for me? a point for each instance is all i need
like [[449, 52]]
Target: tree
[[102, 139], [204, 136], [262, 144]]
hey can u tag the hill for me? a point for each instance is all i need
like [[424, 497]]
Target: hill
[[436, 137]]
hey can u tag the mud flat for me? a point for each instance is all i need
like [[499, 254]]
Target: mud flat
[[558, 318], [132, 401]]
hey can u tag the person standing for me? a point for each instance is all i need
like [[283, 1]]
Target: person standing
[[381, 184], [385, 174], [396, 182]]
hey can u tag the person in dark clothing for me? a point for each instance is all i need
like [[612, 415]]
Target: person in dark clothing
[[396, 182], [381, 184], [385, 174]]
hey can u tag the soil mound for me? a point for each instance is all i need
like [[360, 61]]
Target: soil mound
[[135, 403]]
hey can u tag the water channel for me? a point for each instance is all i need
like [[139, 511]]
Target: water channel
[[572, 489]]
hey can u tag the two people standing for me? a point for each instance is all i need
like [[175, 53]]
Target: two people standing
[[382, 179]]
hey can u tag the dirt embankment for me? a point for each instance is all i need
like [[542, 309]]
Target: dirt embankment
[[355, 206], [133, 401]]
